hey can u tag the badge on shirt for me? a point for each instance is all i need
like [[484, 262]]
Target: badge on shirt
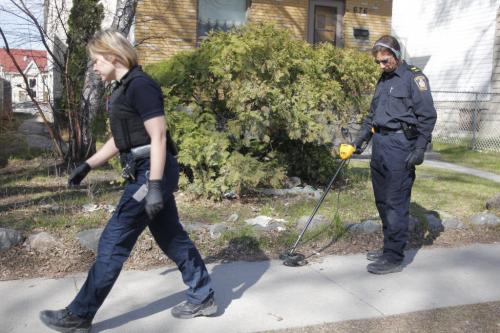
[[421, 82]]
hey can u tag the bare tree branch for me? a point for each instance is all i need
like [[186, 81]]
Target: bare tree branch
[[22, 7], [53, 135]]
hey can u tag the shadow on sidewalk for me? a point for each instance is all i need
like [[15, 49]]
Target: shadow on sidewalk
[[229, 280], [424, 233]]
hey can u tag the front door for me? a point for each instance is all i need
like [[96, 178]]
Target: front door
[[325, 22]]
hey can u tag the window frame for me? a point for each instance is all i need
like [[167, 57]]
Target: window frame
[[199, 36]]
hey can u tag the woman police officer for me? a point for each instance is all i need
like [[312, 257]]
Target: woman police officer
[[139, 135]]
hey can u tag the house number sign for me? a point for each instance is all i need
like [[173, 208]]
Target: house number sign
[[360, 10]]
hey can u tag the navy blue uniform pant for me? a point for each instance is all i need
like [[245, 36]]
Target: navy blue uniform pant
[[392, 183], [120, 236]]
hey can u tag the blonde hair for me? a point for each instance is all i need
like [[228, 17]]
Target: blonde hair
[[113, 43]]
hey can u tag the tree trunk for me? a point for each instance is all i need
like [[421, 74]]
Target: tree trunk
[[93, 90]]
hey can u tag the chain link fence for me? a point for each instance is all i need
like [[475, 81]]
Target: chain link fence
[[468, 118]]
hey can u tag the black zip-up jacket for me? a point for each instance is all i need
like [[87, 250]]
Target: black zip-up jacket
[[403, 95]]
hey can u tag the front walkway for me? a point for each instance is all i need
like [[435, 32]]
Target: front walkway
[[463, 169], [266, 295]]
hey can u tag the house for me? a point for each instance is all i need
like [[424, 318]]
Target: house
[[457, 45], [33, 64], [164, 27]]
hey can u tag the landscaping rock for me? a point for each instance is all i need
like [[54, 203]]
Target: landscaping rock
[[308, 191], [233, 218], [365, 227], [276, 225], [292, 182], [194, 227], [231, 195], [216, 230], [9, 238], [89, 208], [42, 241], [317, 221], [109, 208], [90, 238], [267, 223], [449, 221], [39, 141], [485, 219], [493, 203], [434, 223], [261, 220]]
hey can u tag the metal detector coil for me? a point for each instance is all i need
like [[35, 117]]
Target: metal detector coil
[[293, 259]]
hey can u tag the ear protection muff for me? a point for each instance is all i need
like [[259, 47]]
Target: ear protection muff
[[396, 52]]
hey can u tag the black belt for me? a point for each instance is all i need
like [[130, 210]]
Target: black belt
[[385, 130]]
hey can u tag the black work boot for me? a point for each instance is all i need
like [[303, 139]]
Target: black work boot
[[65, 321], [187, 310], [385, 266], [375, 254]]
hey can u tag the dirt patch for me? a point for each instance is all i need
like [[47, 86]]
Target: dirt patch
[[29, 186], [466, 318]]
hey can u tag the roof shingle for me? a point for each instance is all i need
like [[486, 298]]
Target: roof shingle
[[23, 58]]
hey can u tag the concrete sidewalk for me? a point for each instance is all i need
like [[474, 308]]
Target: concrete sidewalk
[[448, 166], [256, 296], [462, 169]]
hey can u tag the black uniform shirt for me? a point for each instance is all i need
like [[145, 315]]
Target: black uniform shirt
[[144, 95], [402, 96]]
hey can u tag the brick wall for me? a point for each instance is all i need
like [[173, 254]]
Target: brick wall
[[164, 27], [374, 15], [291, 14]]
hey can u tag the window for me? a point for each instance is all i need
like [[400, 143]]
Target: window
[[220, 15], [32, 83]]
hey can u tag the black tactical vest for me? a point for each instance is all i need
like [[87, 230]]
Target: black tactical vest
[[126, 123]]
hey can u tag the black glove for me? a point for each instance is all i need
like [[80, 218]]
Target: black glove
[[416, 157], [78, 174], [154, 198], [358, 143]]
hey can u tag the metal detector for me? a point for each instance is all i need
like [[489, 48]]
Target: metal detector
[[291, 258]]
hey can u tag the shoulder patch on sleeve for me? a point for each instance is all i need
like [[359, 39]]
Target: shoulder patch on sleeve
[[421, 82]]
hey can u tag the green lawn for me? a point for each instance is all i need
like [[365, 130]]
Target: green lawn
[[458, 194], [463, 155]]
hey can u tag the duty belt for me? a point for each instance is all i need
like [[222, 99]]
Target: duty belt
[[128, 160], [385, 130]]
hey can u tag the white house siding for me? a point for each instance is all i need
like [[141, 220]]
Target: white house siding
[[452, 40], [57, 11], [457, 44], [18, 86]]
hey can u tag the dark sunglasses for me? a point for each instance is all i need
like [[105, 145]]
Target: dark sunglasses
[[383, 62]]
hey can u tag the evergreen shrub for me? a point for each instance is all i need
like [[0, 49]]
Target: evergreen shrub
[[253, 105]]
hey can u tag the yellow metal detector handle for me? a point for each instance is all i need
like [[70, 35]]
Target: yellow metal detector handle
[[346, 151]]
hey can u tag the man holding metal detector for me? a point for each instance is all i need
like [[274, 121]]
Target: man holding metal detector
[[400, 122]]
